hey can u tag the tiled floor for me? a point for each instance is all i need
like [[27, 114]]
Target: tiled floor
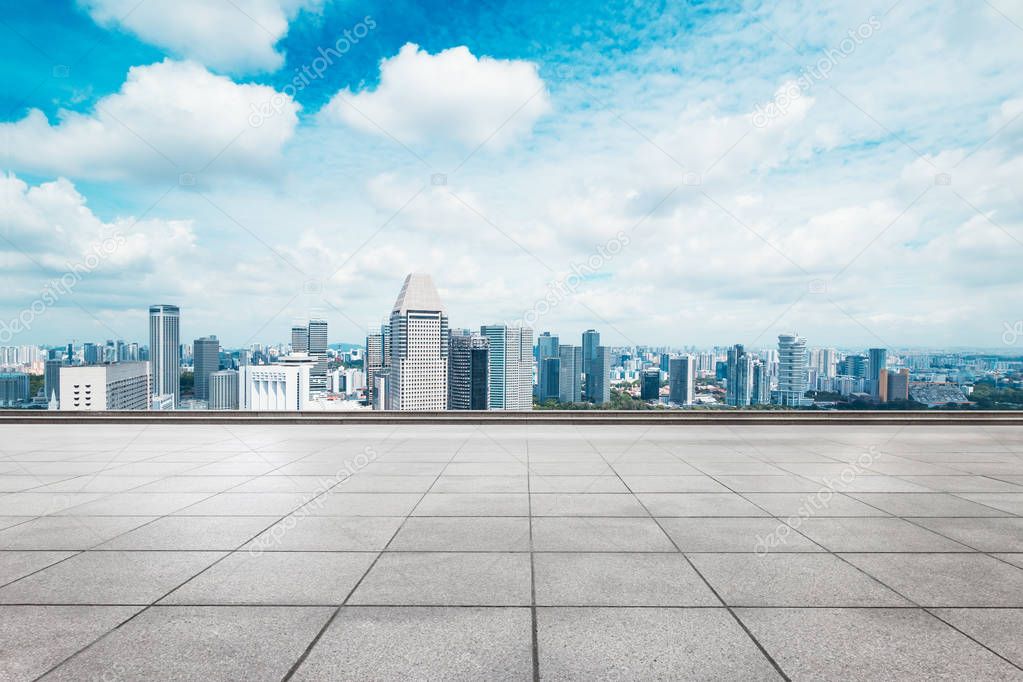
[[510, 552]]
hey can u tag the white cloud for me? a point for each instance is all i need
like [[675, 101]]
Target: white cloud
[[449, 96], [168, 119], [236, 36]]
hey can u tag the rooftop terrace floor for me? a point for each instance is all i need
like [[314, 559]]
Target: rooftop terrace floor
[[510, 552]]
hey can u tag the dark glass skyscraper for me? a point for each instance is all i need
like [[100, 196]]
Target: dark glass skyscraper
[[546, 381], [205, 361]]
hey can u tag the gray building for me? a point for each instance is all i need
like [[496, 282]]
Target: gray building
[[682, 380], [761, 394], [739, 384], [165, 350], [299, 339], [205, 361], [224, 390], [570, 369], [51, 378], [598, 378], [13, 388]]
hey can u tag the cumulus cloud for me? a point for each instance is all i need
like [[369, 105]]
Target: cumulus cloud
[[237, 36], [168, 119], [451, 96]]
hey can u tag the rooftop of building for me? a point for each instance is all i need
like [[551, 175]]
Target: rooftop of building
[[511, 551]]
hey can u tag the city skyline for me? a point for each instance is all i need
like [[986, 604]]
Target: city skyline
[[736, 171]]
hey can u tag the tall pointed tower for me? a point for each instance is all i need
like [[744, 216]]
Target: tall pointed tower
[[418, 376]]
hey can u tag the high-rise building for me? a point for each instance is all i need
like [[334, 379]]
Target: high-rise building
[[549, 378], [418, 374], [373, 362], [299, 338], [223, 390], [164, 351], [318, 351], [13, 388], [591, 341], [598, 379], [51, 378], [682, 380], [117, 386], [468, 370], [205, 361], [547, 383], [761, 394], [897, 385], [854, 366], [877, 363], [277, 387], [792, 371], [511, 366], [90, 353], [650, 384], [570, 369], [739, 384]]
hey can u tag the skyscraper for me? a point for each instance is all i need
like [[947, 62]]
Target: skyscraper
[[468, 370], [205, 361], [224, 390], [598, 379], [317, 349], [761, 394], [792, 371], [90, 353], [570, 374], [418, 374], [511, 366], [299, 338], [682, 380], [739, 386], [591, 341], [373, 362], [164, 351], [51, 378], [650, 384], [546, 383], [878, 362]]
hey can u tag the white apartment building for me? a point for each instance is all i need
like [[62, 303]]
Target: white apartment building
[[418, 375], [511, 367], [118, 386], [224, 390], [276, 388]]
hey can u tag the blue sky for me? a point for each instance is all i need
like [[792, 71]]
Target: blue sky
[[502, 146]]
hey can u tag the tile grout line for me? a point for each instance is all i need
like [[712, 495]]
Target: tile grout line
[[337, 611], [728, 608]]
